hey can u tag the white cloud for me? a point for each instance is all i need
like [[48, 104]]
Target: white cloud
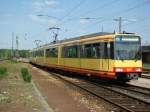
[[41, 20], [43, 5], [84, 21]]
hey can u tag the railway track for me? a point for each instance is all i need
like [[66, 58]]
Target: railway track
[[136, 92], [146, 73], [147, 76], [125, 101]]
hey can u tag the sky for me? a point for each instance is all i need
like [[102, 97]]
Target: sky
[[30, 20]]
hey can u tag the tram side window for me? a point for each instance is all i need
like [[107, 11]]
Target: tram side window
[[70, 52], [37, 53], [91, 50], [47, 52], [41, 53], [52, 52], [82, 47], [105, 51], [87, 51], [95, 50], [108, 50], [63, 52], [112, 50], [101, 51]]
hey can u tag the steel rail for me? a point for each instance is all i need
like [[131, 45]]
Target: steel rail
[[108, 100], [121, 100], [122, 107]]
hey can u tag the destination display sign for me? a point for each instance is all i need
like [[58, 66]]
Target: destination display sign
[[128, 39]]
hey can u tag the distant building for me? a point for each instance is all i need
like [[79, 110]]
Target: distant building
[[146, 53]]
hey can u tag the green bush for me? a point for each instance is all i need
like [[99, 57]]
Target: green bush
[[25, 74], [3, 72]]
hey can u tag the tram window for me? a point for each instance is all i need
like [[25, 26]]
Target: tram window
[[78, 51], [82, 51], [105, 50], [108, 50], [90, 50], [52, 52], [70, 52], [74, 51], [102, 50], [112, 50], [87, 51], [37, 53], [63, 52], [95, 50], [41, 53], [47, 52]]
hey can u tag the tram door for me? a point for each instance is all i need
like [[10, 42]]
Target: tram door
[[106, 56]]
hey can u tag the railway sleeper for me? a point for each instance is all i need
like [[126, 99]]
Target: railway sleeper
[[124, 102], [140, 109]]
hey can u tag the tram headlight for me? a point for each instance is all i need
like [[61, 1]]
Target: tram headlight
[[138, 69], [119, 70]]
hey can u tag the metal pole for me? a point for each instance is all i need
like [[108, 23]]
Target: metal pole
[[12, 52], [120, 24], [17, 44]]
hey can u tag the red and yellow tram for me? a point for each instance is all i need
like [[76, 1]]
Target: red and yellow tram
[[108, 55]]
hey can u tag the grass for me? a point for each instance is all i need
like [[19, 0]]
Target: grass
[[26, 75], [13, 61], [10, 66], [3, 72]]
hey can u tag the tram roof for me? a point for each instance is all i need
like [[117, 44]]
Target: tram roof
[[78, 38], [86, 36]]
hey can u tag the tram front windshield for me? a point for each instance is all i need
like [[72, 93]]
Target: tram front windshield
[[127, 48]]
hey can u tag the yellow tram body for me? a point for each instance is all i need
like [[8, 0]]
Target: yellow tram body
[[103, 66]]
